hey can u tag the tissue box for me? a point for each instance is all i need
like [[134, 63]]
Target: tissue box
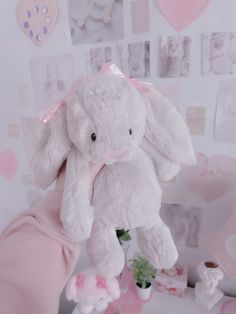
[[172, 281]]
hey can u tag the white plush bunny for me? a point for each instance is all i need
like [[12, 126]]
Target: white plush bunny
[[140, 138]]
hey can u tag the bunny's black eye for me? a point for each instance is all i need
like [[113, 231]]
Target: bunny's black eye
[[130, 131], [93, 137]]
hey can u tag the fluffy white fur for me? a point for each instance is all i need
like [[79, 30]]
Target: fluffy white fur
[[126, 192]]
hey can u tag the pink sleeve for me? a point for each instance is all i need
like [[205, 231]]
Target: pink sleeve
[[36, 260]]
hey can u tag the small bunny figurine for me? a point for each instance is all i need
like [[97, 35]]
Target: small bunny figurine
[[135, 137], [91, 291]]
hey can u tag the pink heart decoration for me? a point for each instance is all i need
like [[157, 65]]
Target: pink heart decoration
[[37, 18], [181, 13], [8, 164], [211, 178]]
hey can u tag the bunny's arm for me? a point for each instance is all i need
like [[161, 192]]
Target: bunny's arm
[[76, 211]]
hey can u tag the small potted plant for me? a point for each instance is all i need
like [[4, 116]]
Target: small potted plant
[[143, 273]]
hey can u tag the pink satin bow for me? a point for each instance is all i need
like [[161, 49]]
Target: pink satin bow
[[107, 68], [111, 68]]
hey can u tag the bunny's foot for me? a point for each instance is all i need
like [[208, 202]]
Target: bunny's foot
[[157, 245]]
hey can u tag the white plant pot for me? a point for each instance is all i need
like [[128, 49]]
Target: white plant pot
[[144, 294]]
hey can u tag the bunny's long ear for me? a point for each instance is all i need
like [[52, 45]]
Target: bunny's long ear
[[47, 146], [166, 138]]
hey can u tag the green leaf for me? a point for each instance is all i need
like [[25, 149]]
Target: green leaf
[[143, 271]]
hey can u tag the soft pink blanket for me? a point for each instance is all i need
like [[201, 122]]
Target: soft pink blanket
[[36, 259]]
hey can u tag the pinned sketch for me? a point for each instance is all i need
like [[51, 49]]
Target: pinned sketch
[[140, 16], [135, 59], [196, 119], [219, 53], [51, 79], [212, 177], [184, 223], [226, 112], [174, 56], [95, 21], [96, 57]]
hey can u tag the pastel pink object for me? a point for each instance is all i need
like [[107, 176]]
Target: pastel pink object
[[140, 16], [36, 260], [228, 307], [37, 18], [91, 291], [181, 13], [222, 246], [101, 282], [172, 281], [211, 178], [129, 302], [110, 68], [80, 280], [8, 164]]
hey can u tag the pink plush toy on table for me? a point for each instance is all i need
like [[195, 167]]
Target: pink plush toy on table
[[92, 291]]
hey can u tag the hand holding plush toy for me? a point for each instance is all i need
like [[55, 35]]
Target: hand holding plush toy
[[138, 135]]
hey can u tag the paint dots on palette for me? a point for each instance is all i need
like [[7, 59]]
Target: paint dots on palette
[[44, 30]]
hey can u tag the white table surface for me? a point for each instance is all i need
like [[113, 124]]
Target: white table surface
[[161, 303]]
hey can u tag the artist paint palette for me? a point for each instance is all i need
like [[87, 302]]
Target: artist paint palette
[[37, 18]]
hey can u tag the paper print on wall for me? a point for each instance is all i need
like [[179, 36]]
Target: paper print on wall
[[51, 79], [96, 57], [135, 59], [219, 53], [222, 245], [95, 21], [196, 119], [8, 164], [140, 16], [37, 18], [174, 56], [211, 178], [184, 223], [181, 13], [226, 112], [173, 193]]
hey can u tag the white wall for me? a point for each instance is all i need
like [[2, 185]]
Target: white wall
[[17, 101]]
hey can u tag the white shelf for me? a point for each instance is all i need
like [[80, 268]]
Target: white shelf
[[161, 303]]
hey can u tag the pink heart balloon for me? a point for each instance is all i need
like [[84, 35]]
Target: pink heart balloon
[[181, 13], [8, 164], [37, 18], [211, 178]]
